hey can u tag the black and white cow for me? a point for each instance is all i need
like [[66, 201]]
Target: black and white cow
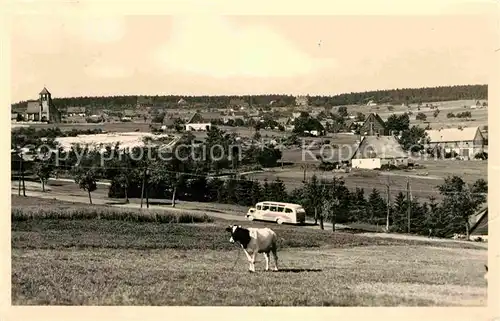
[[253, 241]]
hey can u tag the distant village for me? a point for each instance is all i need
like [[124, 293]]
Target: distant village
[[377, 145]]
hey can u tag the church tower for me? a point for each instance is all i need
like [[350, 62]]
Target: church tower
[[45, 100]]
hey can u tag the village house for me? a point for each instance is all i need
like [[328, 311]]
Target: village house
[[234, 115], [75, 111], [375, 151], [144, 102], [202, 121], [466, 142], [302, 101], [373, 125], [352, 125], [238, 103], [42, 109]]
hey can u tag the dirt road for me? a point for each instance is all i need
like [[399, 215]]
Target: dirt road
[[33, 190]]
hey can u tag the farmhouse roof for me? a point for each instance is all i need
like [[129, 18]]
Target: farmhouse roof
[[33, 107], [44, 91], [379, 147], [206, 117], [377, 117], [452, 134], [480, 227], [75, 109]]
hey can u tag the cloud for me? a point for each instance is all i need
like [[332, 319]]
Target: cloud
[[213, 47]]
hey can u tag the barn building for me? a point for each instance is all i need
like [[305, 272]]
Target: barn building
[[373, 125], [375, 151], [466, 142], [201, 122]]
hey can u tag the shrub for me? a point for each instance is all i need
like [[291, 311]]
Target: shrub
[[451, 154], [481, 155], [20, 214], [388, 167]]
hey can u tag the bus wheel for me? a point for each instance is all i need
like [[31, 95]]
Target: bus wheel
[[250, 217], [279, 221]]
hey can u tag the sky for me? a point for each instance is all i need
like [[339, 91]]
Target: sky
[[210, 54]]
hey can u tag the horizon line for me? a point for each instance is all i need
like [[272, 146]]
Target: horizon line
[[260, 94]]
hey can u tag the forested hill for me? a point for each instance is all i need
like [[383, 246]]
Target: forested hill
[[392, 96]]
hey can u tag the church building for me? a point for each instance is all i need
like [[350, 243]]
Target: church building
[[43, 109]]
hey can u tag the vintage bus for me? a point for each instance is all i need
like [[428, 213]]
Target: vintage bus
[[277, 212]]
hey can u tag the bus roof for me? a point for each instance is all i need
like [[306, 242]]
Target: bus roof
[[291, 205]]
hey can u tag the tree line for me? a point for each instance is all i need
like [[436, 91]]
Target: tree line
[[392, 96], [198, 179]]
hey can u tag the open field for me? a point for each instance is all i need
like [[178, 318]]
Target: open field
[[109, 127], [421, 186], [110, 262], [480, 115]]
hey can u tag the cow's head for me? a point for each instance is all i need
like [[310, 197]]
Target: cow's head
[[239, 234]]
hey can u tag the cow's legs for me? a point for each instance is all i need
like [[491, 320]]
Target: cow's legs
[[251, 260], [275, 255], [266, 255]]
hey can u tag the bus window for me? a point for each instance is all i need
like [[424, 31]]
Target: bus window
[[280, 209], [288, 210], [273, 208], [259, 207], [265, 208]]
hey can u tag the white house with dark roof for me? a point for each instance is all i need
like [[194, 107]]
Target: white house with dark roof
[[375, 151], [197, 121], [466, 142]]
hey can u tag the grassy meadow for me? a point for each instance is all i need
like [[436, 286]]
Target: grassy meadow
[[423, 181], [65, 259]]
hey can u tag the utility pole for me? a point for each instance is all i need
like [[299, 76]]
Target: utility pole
[[175, 188], [409, 203], [21, 173], [147, 188], [143, 184], [304, 167], [22, 176], [388, 205]]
